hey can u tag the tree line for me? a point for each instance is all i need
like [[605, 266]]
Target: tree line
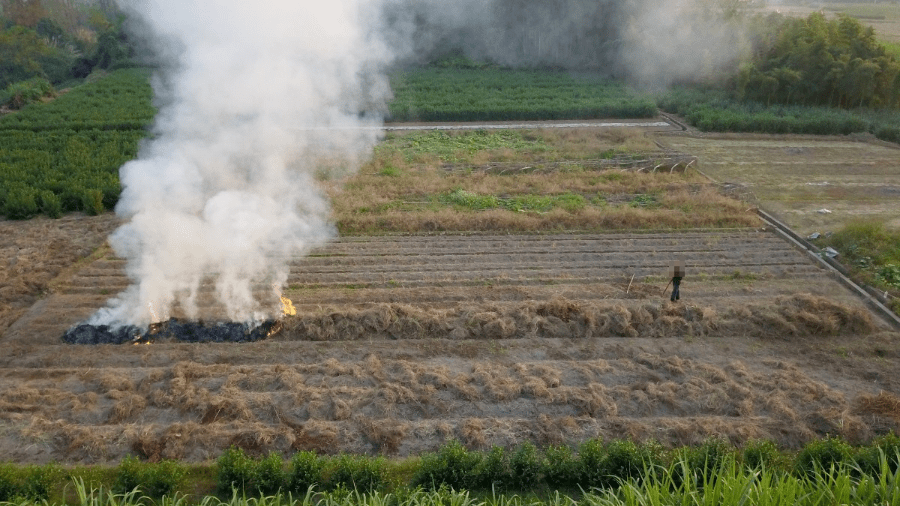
[[46, 43], [820, 62]]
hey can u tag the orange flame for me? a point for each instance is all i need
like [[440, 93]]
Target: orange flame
[[287, 307]]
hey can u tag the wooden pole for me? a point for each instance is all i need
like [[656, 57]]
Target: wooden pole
[[629, 284]]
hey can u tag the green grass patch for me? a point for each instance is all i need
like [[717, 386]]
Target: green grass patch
[[459, 146], [493, 94], [871, 252], [465, 200]]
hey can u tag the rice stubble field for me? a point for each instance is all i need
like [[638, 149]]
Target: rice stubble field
[[493, 331]]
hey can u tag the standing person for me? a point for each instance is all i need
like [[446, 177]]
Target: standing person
[[677, 273]]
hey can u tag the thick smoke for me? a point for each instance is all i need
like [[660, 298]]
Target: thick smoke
[[650, 43], [255, 99]]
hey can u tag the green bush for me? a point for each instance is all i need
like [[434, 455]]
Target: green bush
[[32, 483], [525, 466], [20, 94], [821, 456], [163, 478], [710, 456], [869, 459], [270, 476], [305, 472], [625, 460], [359, 473], [9, 487], [50, 204], [92, 202], [451, 466], [759, 454], [492, 472], [20, 203], [154, 480], [236, 471], [129, 475], [591, 455], [561, 467]]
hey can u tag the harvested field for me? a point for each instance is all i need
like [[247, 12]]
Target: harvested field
[[796, 177], [404, 341]]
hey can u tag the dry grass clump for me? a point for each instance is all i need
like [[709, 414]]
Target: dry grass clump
[[796, 315], [586, 219], [808, 315], [884, 405], [385, 434], [320, 437]]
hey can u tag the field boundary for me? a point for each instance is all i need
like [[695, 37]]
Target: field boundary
[[840, 273], [836, 268]]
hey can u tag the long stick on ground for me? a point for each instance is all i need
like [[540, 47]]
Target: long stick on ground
[[629, 284]]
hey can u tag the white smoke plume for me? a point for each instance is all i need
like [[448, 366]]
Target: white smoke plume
[[649, 43], [254, 99]]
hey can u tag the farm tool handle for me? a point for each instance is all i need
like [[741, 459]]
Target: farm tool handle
[[667, 286]]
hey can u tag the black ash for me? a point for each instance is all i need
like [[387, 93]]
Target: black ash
[[174, 330]]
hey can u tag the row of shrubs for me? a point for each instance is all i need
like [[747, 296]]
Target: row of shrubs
[[713, 111], [594, 464]]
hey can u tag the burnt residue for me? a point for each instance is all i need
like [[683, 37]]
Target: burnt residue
[[174, 330]]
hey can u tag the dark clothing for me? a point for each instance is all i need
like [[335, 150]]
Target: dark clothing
[[676, 282]]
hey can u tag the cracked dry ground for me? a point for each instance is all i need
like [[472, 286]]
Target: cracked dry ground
[[402, 342]]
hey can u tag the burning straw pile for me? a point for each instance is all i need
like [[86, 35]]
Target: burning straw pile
[[174, 330]]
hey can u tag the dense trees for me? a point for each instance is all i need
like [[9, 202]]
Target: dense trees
[[24, 12], [815, 61], [56, 41]]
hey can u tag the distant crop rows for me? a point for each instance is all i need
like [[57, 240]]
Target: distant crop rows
[[455, 94], [64, 156]]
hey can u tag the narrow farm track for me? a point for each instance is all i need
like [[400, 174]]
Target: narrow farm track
[[404, 341]]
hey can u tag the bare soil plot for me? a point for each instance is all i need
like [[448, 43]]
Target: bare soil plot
[[798, 176], [404, 341], [33, 253]]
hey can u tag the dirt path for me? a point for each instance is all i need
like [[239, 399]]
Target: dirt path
[[405, 341]]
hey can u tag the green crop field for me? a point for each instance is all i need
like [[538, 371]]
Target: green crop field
[[65, 155], [494, 94]]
